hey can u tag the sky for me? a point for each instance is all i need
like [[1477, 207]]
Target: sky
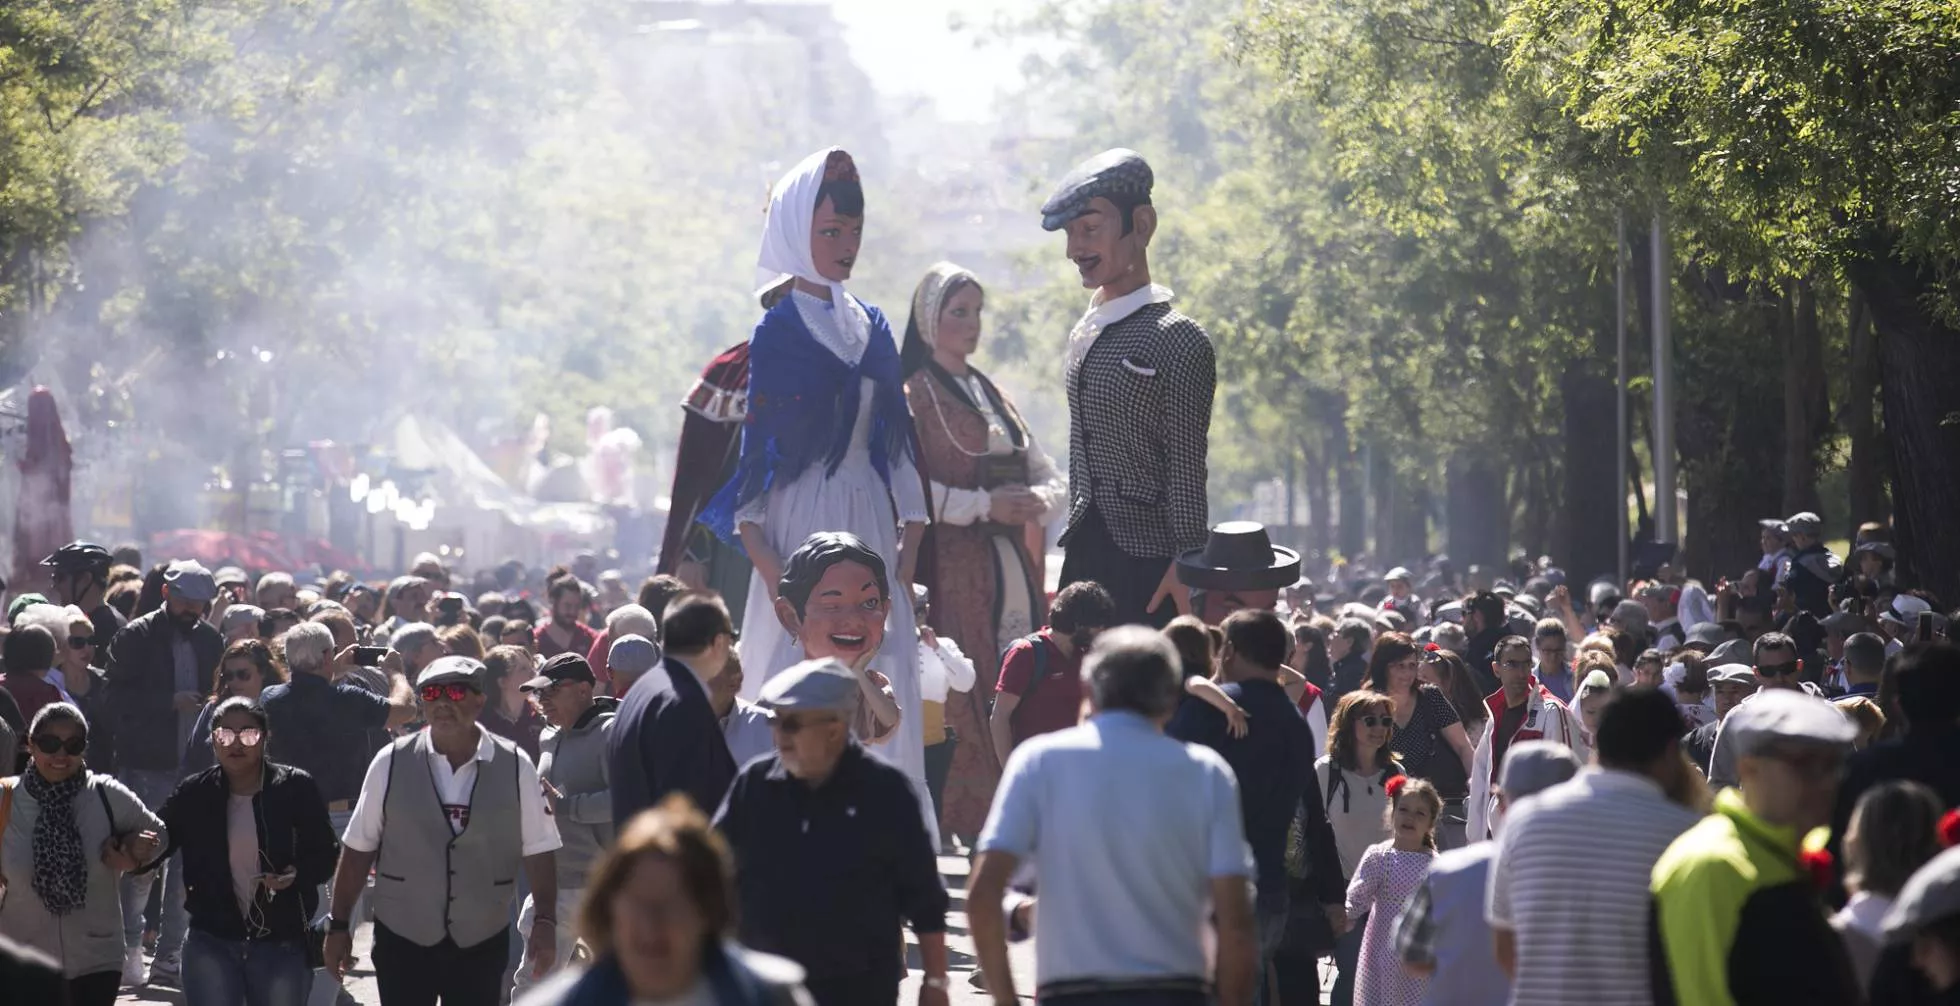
[[909, 47]]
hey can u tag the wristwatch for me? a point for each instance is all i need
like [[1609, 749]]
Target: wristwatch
[[940, 982], [338, 925]]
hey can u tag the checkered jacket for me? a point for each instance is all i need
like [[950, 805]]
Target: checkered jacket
[[1139, 405]]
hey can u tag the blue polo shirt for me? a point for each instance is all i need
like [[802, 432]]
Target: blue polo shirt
[[322, 727], [1126, 829]]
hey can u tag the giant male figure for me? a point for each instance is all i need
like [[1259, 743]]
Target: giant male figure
[[1140, 382]]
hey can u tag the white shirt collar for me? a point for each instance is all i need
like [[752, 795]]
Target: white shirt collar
[[1102, 314], [486, 748]]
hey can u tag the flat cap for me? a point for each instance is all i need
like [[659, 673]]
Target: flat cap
[[1804, 523], [1782, 714], [1774, 524], [228, 575], [1732, 674], [189, 580], [1120, 176], [1931, 895], [452, 668], [633, 654], [814, 685], [241, 614], [1846, 623], [1709, 634], [1450, 612], [1531, 766], [1400, 573], [1734, 651]]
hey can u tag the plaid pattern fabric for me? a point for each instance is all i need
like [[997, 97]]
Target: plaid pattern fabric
[[1139, 420], [1415, 931]]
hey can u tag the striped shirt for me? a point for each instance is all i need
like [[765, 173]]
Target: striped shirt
[[1571, 880]]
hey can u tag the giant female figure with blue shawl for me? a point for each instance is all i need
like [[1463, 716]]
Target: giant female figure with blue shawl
[[828, 442]]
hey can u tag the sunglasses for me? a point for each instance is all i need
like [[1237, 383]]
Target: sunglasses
[[1377, 721], [453, 691], [1780, 669], [50, 744], [225, 737], [792, 725], [77, 642]]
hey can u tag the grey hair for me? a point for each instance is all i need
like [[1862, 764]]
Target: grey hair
[[632, 620], [1134, 669], [1450, 636], [307, 646], [412, 637], [58, 712], [55, 618]]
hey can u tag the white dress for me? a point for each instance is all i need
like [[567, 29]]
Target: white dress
[[853, 499]]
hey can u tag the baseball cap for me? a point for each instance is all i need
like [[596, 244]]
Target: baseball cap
[[454, 668], [563, 667], [188, 580]]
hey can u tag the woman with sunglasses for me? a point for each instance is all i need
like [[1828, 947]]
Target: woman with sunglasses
[[1428, 731], [244, 672], [68, 833], [256, 844], [1353, 778]]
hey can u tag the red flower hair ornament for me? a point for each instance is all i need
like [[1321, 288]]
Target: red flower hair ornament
[[1950, 828], [1819, 866], [1393, 787]]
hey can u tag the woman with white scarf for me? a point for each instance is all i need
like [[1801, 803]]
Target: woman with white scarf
[[828, 445]]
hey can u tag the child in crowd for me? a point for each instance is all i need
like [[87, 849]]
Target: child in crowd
[[1388, 874]]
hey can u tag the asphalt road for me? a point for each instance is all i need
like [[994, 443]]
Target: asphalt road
[[964, 966]]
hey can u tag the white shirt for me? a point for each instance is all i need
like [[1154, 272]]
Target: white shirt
[[942, 670], [538, 831], [1103, 314], [1865, 913], [746, 729]]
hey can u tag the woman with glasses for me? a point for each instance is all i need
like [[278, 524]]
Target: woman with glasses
[[66, 834], [1428, 731], [243, 672], [1353, 778], [256, 844]]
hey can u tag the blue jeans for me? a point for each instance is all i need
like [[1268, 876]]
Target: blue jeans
[[220, 972], [153, 788], [1347, 957]]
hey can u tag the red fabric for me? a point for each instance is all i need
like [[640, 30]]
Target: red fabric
[[42, 521], [1950, 828], [597, 658], [583, 639], [1308, 697], [1057, 701], [30, 693]]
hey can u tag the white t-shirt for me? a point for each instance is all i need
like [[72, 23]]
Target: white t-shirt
[[242, 847], [538, 831]]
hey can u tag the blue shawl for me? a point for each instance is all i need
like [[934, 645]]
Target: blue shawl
[[731, 983], [803, 401]]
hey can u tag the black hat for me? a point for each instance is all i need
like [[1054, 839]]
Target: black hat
[[77, 556], [1238, 556], [1121, 176], [563, 667]]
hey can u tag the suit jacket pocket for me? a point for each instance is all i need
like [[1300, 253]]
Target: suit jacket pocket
[[1139, 366]]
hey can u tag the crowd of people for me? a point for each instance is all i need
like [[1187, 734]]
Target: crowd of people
[[1191, 775]]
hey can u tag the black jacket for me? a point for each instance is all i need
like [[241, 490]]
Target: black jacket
[[142, 678], [667, 738], [294, 831]]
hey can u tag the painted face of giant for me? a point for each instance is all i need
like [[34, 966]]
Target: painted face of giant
[[1102, 253], [958, 332], [834, 241], [844, 617]]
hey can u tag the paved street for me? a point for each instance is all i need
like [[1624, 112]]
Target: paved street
[[964, 964]]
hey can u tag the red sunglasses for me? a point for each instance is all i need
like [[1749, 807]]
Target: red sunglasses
[[453, 691]]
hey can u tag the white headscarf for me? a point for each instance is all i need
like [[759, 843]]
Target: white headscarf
[[785, 253], [1694, 608]]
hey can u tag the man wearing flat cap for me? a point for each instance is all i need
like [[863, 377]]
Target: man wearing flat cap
[[463, 813], [1737, 911], [1140, 381], [831, 848], [1813, 568]]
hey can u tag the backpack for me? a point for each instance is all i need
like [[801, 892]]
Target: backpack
[[1040, 648]]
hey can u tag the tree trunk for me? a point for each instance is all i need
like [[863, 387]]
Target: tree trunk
[[1476, 528], [1804, 398], [1353, 491], [1320, 504], [1588, 540], [1919, 385], [1860, 420]]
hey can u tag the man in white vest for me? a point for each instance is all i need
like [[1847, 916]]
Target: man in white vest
[[462, 810]]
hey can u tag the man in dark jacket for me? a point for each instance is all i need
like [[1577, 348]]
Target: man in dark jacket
[[832, 850], [159, 669], [1813, 569], [667, 737], [1274, 766], [1483, 619]]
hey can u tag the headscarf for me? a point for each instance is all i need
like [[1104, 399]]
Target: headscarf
[[785, 253], [930, 297], [1694, 608], [60, 865]]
